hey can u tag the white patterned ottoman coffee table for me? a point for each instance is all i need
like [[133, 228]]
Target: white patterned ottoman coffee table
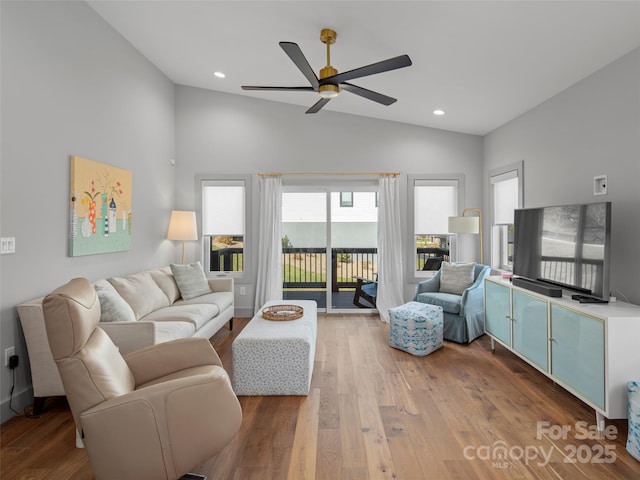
[[416, 328], [276, 357]]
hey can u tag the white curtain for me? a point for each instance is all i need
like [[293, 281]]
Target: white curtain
[[390, 258], [269, 282]]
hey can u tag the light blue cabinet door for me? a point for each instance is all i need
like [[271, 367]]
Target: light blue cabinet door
[[577, 352], [497, 318], [530, 337]]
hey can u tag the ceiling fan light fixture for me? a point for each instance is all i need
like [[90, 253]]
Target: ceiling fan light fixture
[[328, 91]]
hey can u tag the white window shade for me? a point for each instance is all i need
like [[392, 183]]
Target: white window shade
[[505, 200], [223, 209], [433, 205]]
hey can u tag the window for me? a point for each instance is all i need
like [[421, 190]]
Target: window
[[346, 199], [432, 201], [506, 196], [223, 225]]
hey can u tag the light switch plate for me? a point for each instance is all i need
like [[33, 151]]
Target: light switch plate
[[7, 245]]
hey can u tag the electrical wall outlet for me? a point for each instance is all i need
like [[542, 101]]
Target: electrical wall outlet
[[243, 290], [8, 353], [600, 185], [14, 361]]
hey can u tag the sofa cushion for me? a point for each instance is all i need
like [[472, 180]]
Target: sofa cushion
[[190, 279], [166, 282], [456, 277], [140, 292], [221, 299], [113, 308], [167, 331], [449, 302], [196, 314]]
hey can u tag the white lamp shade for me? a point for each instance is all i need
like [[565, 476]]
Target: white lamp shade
[[464, 225], [182, 226]]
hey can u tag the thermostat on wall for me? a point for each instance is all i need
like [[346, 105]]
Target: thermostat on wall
[[600, 185]]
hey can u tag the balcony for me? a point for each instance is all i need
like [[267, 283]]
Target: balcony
[[304, 270]]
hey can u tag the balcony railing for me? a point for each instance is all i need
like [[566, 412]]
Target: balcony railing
[[226, 260], [306, 267], [424, 253]]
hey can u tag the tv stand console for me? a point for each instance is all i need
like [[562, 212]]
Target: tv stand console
[[590, 349]]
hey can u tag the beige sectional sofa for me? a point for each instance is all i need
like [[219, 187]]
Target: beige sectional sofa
[[137, 310]]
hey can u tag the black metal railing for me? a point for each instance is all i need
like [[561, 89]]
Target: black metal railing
[[425, 253], [306, 267], [347, 263], [226, 260]]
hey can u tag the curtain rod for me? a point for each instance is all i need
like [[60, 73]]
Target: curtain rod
[[328, 174]]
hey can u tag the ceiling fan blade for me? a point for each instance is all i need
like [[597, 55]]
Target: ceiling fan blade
[[318, 105], [368, 94], [379, 67], [295, 89], [296, 55]]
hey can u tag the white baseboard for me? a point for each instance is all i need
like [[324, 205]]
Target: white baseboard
[[21, 400]]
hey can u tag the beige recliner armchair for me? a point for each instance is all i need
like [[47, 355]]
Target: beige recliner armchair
[[156, 413]]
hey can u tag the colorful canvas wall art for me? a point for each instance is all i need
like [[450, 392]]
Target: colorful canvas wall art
[[100, 208]]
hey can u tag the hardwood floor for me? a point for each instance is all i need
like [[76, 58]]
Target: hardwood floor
[[375, 412]]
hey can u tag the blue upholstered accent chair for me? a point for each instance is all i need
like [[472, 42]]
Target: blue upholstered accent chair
[[463, 314]]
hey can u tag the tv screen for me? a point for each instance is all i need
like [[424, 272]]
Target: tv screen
[[567, 246]]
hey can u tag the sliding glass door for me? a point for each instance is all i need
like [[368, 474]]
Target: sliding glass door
[[304, 246], [329, 240], [354, 252]]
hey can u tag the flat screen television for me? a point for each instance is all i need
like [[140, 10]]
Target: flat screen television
[[566, 246]]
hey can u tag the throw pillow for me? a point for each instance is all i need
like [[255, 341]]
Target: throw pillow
[[141, 293], [456, 277], [113, 308], [190, 279], [163, 277]]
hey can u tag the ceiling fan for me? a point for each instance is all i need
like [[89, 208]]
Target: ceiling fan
[[331, 82]]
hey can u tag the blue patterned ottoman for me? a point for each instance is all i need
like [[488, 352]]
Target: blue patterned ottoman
[[416, 328], [276, 358]]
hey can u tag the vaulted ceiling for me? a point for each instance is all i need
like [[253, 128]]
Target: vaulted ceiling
[[483, 63]]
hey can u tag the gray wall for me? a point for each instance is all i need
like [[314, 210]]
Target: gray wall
[[220, 133], [72, 86], [592, 128]]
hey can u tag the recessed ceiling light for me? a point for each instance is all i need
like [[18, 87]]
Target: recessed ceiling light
[[219, 74], [438, 112]]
